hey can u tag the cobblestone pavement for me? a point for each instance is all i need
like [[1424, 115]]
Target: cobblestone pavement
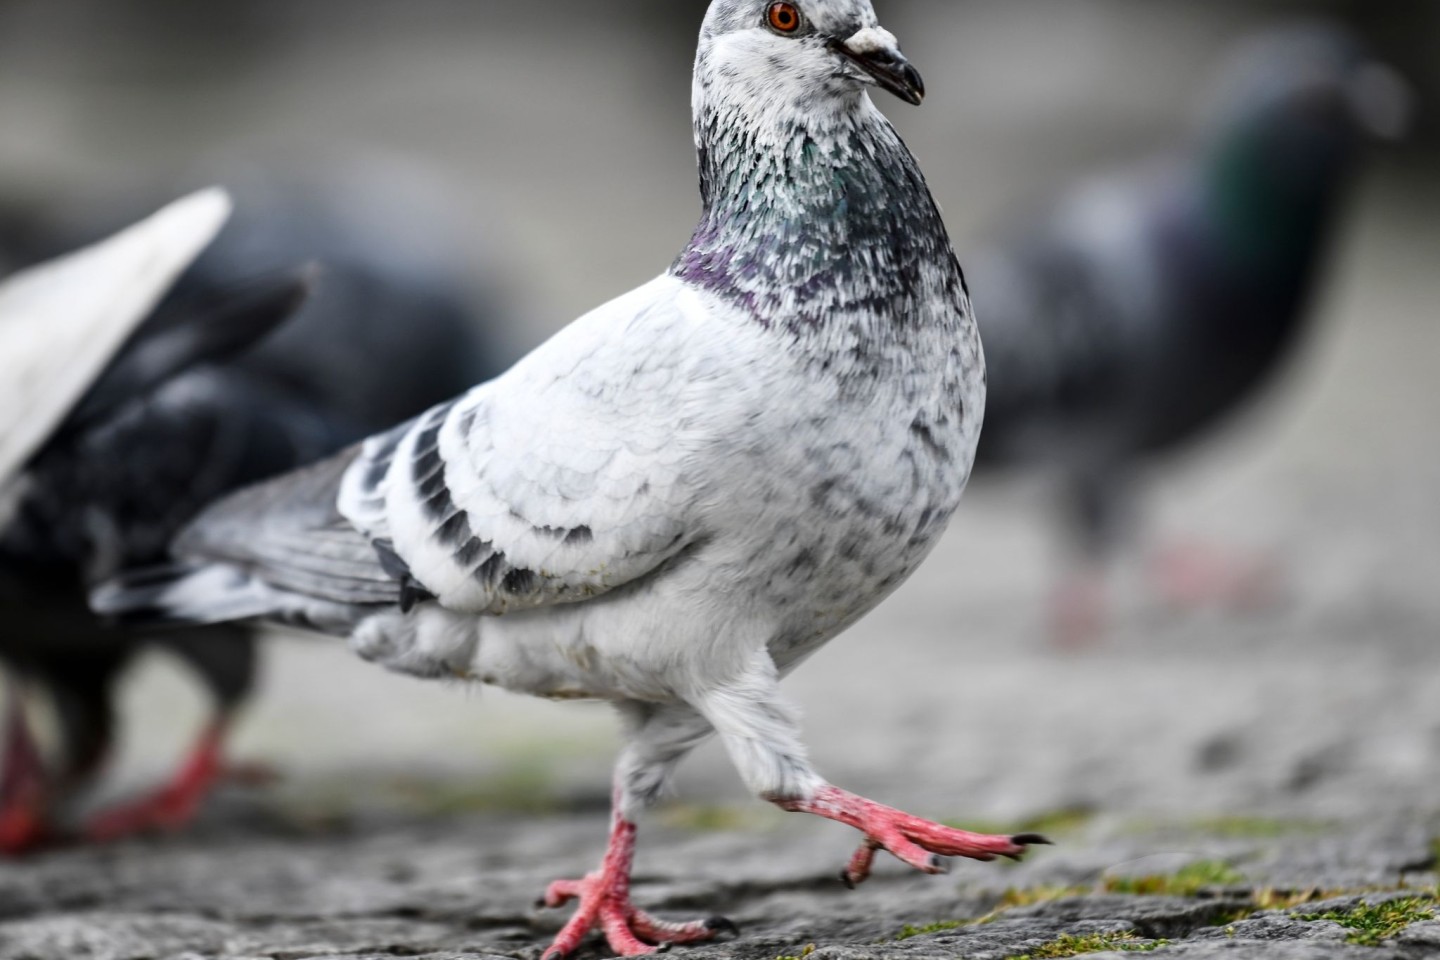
[[255, 882]]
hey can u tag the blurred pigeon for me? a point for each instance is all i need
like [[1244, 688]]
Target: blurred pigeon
[[147, 448], [688, 491], [383, 337], [60, 325], [1151, 303]]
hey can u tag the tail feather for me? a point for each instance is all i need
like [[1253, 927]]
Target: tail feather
[[181, 594]]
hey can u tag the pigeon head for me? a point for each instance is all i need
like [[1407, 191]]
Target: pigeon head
[[1294, 112], [1299, 103], [802, 58], [816, 216]]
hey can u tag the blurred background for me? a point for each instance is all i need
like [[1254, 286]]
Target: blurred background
[[558, 137]]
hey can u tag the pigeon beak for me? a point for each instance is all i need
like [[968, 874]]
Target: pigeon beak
[[877, 54], [1383, 101]]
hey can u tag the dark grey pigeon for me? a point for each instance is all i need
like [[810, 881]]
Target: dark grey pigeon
[[174, 425], [1152, 303]]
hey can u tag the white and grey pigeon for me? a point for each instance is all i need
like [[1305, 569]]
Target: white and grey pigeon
[[1151, 303], [686, 492]]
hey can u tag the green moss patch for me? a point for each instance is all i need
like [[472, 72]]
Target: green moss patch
[[940, 926], [1068, 945], [1371, 924], [1185, 882]]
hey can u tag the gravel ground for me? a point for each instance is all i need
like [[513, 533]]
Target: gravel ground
[[291, 887]]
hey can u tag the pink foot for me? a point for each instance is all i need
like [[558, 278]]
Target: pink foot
[[605, 904], [177, 804], [23, 830], [917, 842], [1078, 612], [1192, 576], [24, 786]]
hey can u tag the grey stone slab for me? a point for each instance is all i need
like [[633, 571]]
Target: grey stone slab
[[466, 887]]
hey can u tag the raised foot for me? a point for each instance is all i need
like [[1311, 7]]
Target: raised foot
[[918, 842], [605, 905], [1192, 576]]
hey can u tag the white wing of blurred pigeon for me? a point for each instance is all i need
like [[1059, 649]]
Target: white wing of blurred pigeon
[[61, 322]]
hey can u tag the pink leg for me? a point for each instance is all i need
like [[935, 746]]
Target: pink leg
[[1079, 610], [917, 842], [176, 804], [605, 904], [1194, 575], [24, 786]]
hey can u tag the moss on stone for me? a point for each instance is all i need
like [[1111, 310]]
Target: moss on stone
[[1185, 882], [1371, 924], [1069, 945], [940, 926], [1271, 898]]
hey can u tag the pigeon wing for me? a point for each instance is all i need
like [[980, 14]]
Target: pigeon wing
[[556, 483], [61, 322]]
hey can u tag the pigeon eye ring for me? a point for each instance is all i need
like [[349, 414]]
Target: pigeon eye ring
[[784, 18]]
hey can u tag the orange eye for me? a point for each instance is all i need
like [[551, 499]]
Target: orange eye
[[784, 17]]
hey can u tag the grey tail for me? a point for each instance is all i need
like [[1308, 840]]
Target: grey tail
[[183, 594]]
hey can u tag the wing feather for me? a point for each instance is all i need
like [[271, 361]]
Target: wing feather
[[548, 485]]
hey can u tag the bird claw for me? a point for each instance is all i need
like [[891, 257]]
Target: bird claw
[[920, 843], [722, 926], [630, 932]]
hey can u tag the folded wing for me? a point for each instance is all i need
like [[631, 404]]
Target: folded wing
[[545, 486]]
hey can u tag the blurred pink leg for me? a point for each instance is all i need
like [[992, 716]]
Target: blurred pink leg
[[175, 805], [1195, 575], [1079, 610], [24, 825]]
